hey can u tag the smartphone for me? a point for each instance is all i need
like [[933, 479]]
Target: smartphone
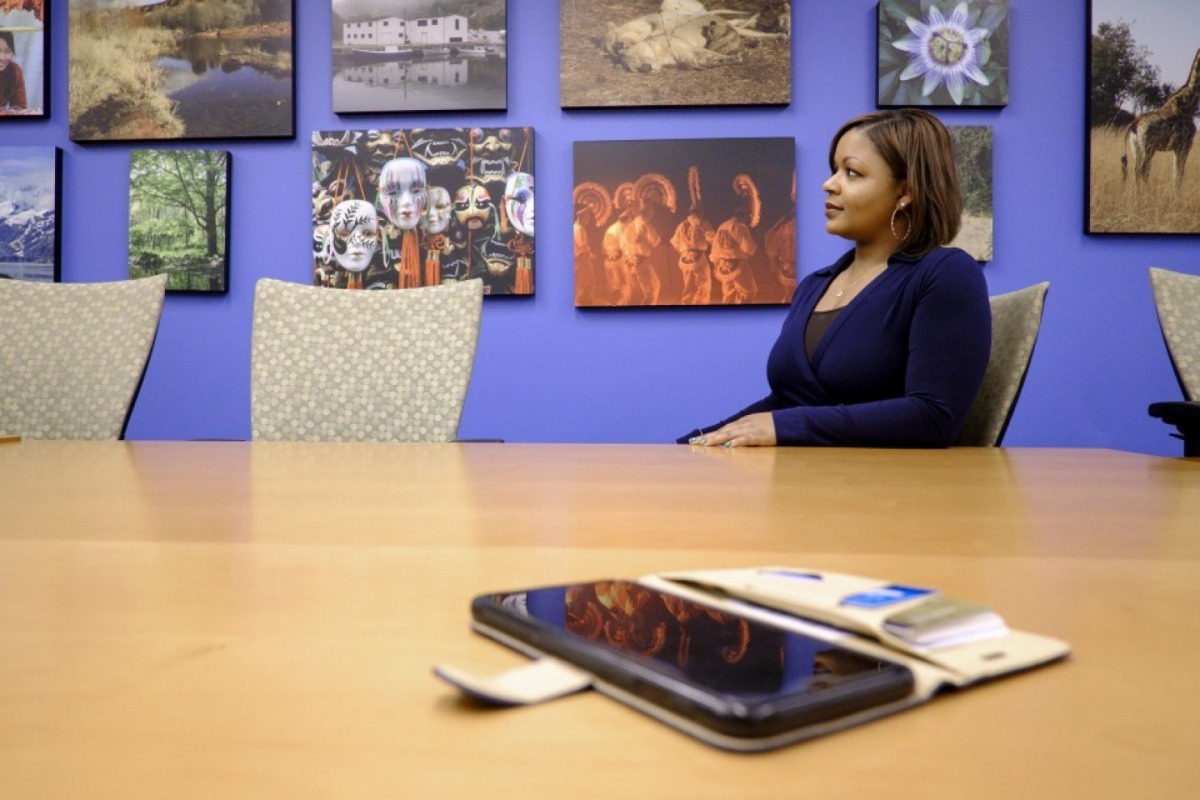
[[731, 680]]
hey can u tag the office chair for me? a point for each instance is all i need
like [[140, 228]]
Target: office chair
[[73, 355], [338, 365], [1016, 320], [1177, 301]]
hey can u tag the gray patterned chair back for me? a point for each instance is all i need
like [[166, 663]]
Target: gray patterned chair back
[[1177, 300], [1016, 320], [337, 365], [72, 355]]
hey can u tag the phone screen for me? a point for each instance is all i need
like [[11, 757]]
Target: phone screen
[[696, 644]]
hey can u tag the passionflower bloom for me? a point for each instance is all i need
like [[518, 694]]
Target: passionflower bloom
[[944, 51]]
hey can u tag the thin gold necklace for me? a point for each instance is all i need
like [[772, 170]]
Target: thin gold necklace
[[849, 285], [854, 283]]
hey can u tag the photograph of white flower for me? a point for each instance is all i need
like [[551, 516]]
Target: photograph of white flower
[[943, 53]]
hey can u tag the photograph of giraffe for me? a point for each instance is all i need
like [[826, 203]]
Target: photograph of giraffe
[[1143, 99]]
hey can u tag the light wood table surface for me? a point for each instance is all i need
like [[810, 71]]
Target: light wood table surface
[[260, 620]]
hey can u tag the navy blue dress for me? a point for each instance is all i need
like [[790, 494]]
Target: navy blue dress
[[899, 367]]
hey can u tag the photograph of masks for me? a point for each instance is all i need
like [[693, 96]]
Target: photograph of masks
[[395, 209]]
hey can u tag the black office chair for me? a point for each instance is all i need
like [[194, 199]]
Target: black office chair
[[1177, 301]]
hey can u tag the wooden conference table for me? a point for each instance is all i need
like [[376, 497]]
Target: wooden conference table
[[260, 620]]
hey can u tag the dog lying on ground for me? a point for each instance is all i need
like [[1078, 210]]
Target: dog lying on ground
[[776, 18], [618, 37], [697, 43], [678, 33], [721, 37]]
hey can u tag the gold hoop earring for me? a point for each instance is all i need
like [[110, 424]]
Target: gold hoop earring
[[892, 225]]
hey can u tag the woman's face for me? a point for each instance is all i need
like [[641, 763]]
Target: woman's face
[[6, 55], [862, 193]]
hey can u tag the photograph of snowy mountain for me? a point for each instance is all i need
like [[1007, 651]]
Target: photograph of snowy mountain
[[29, 181]]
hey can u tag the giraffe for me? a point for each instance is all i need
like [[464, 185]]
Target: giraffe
[[1168, 127]]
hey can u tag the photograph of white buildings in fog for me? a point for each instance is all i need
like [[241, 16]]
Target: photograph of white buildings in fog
[[28, 213], [419, 55]]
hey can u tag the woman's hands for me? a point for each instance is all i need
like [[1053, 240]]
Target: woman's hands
[[752, 430]]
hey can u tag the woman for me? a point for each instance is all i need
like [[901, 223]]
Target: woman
[[887, 347], [12, 80]]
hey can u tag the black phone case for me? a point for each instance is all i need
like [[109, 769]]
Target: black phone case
[[773, 596], [725, 720]]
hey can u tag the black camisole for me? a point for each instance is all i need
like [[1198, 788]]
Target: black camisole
[[818, 323]]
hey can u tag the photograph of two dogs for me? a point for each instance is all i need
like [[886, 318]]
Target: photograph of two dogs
[[665, 52]]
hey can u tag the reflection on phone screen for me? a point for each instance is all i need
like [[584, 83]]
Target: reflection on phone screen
[[694, 642]]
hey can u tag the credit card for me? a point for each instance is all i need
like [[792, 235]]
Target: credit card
[[885, 596]]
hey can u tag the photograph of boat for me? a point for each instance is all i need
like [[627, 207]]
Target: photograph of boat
[[389, 52], [459, 45]]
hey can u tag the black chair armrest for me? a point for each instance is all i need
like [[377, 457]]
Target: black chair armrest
[[1185, 416]]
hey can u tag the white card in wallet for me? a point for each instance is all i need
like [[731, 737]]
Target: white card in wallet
[[968, 641], [943, 622]]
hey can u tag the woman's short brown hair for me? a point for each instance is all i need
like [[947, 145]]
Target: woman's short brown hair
[[918, 149]]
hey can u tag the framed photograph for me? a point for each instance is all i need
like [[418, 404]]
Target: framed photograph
[[1143, 97], [973, 151], [409, 55], [24, 48], [690, 222], [30, 188], [179, 218], [943, 53], [675, 53], [396, 209], [202, 69]]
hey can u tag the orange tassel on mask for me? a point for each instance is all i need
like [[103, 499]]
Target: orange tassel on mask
[[524, 250], [524, 282], [433, 259], [410, 261]]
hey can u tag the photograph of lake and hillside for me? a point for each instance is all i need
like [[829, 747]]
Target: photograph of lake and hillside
[[419, 55], [29, 188], [180, 69]]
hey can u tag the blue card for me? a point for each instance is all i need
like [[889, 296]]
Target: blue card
[[885, 596]]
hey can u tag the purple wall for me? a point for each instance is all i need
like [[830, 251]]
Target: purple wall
[[548, 372]]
